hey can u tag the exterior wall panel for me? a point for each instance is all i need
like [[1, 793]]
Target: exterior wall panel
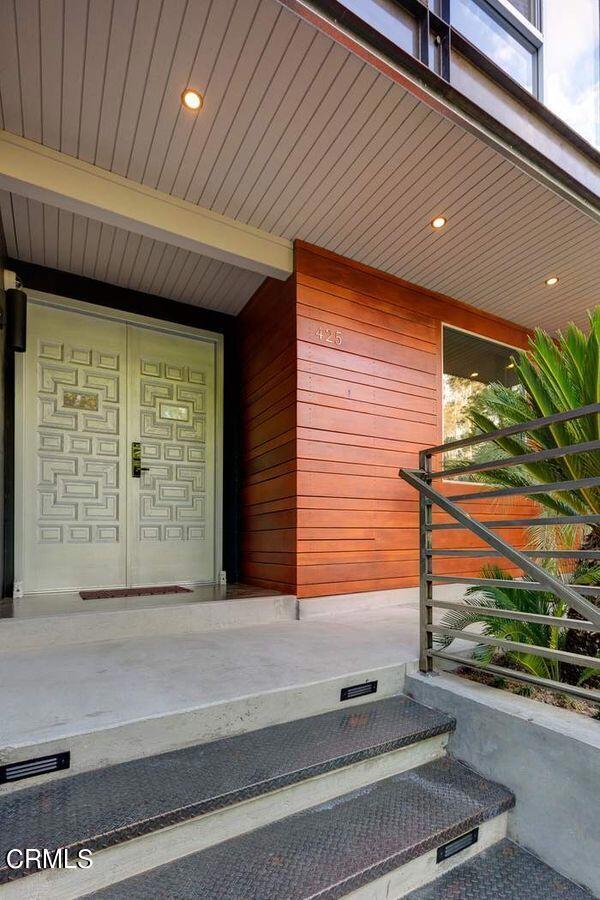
[[267, 345], [369, 375]]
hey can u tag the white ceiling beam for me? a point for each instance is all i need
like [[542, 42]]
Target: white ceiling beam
[[37, 172]]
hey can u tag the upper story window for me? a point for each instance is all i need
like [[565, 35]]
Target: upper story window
[[572, 64], [390, 19], [495, 36], [527, 8], [550, 47]]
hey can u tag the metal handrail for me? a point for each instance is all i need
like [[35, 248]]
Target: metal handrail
[[522, 460], [541, 580], [525, 490], [532, 425], [523, 523], [585, 589]]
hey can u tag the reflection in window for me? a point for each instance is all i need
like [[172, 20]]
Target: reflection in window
[[572, 64], [389, 19], [496, 39], [526, 8], [470, 364]]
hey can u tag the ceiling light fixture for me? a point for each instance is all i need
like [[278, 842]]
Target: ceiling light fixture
[[438, 222], [552, 280], [191, 99], [474, 374]]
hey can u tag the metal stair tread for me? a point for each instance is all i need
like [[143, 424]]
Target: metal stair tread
[[104, 807], [504, 872], [333, 848]]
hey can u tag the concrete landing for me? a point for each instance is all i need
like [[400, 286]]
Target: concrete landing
[[116, 700]]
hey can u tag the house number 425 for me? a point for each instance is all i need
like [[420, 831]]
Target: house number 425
[[328, 336]]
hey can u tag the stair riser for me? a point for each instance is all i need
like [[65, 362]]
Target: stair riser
[[147, 737], [172, 619], [136, 856], [425, 869]]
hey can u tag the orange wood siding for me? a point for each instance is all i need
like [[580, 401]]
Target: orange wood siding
[[366, 406], [267, 348]]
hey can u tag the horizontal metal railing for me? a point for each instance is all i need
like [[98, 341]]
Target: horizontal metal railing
[[537, 578]]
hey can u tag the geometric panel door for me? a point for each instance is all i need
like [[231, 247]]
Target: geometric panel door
[[171, 512], [74, 451], [93, 389]]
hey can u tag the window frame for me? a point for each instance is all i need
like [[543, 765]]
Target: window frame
[[520, 29], [481, 337]]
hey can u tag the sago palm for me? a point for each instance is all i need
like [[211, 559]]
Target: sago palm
[[554, 375], [537, 602]]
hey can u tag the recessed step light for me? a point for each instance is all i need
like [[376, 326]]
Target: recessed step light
[[29, 768]]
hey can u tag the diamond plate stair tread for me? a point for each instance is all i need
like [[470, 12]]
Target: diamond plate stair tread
[[101, 808], [334, 848], [504, 872]]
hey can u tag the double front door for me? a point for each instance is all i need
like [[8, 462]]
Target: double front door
[[118, 454]]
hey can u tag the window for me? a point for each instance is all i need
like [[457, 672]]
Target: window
[[470, 363], [389, 19], [572, 64], [549, 47], [527, 8], [493, 35]]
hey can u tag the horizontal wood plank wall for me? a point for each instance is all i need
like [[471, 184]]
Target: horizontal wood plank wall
[[369, 398], [267, 347]]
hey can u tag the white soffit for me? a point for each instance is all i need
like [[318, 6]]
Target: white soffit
[[297, 137], [47, 236]]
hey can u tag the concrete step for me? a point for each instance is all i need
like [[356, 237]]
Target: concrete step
[[504, 872], [377, 842], [113, 701], [168, 615], [153, 810]]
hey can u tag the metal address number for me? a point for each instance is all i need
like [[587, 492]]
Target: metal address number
[[328, 336]]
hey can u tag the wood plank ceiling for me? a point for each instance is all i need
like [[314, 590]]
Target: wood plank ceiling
[[297, 136]]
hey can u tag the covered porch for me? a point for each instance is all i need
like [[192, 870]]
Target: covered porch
[[232, 324], [287, 225], [243, 319]]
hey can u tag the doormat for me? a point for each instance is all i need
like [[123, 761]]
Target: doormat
[[134, 592]]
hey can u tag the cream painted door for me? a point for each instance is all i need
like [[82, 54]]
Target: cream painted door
[[171, 511], [74, 452], [91, 388]]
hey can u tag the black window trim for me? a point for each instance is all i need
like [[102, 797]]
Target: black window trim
[[526, 37], [359, 31]]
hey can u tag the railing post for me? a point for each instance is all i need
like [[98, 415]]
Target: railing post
[[425, 569]]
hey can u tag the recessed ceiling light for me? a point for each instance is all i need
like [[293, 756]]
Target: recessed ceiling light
[[438, 222], [191, 99], [474, 374], [552, 280]]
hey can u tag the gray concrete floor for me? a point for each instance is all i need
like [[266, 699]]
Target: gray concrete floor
[[51, 693], [56, 604]]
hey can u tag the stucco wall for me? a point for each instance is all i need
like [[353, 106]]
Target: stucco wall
[[548, 757]]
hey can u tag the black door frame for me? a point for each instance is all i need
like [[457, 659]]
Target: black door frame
[[77, 287]]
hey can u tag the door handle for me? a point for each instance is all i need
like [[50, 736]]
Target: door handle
[[136, 460]]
